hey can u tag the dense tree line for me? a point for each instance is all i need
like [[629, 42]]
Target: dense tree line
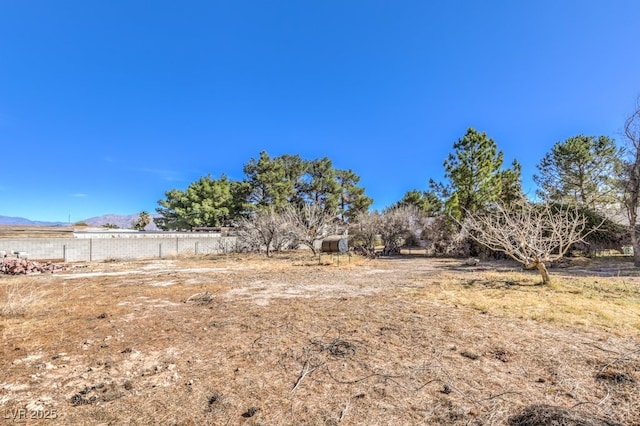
[[481, 209], [270, 184], [288, 201]]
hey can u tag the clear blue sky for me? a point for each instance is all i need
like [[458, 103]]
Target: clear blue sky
[[105, 105]]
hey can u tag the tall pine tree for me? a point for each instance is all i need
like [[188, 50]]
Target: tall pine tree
[[582, 170], [475, 175]]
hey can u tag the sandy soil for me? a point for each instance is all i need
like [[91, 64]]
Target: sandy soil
[[246, 340]]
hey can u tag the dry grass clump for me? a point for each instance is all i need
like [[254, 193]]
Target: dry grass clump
[[584, 301], [20, 297]]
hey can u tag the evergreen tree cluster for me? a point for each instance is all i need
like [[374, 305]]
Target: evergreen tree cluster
[[270, 183]]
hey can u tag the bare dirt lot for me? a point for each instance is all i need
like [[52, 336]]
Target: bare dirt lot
[[248, 340]]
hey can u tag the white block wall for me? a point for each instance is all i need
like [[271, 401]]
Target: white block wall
[[96, 249]]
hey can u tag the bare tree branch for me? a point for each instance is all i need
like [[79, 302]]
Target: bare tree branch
[[309, 224], [393, 228], [632, 178], [267, 229], [530, 234]]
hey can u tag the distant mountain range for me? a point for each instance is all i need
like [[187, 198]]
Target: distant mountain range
[[121, 221], [8, 220]]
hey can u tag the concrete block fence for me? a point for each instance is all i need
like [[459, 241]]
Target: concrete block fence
[[88, 249]]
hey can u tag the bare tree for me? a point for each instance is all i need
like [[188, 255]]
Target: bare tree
[[364, 232], [309, 224], [267, 229], [398, 225], [392, 228], [530, 234], [632, 178], [441, 237]]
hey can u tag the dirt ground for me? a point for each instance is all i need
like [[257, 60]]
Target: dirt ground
[[233, 340]]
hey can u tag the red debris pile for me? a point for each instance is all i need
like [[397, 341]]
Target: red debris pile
[[15, 266]]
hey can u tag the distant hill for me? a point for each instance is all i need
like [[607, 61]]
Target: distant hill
[[8, 220], [121, 221]]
